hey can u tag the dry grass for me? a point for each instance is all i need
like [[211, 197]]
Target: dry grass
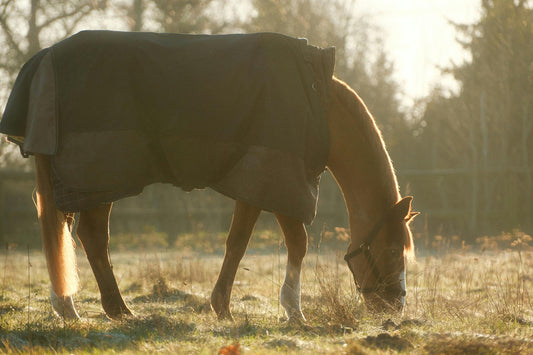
[[460, 302]]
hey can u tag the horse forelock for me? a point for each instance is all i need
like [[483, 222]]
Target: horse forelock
[[366, 123]]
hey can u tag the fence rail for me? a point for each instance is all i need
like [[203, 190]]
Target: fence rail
[[452, 200]]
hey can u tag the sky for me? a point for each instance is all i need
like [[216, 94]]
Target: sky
[[419, 39]]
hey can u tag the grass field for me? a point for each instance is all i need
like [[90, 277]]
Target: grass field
[[461, 301]]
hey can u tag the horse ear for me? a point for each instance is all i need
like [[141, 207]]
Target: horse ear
[[411, 216], [402, 209]]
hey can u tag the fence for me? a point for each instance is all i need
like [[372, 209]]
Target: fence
[[452, 201], [161, 207], [472, 202]]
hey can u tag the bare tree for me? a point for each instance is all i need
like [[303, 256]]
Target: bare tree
[[133, 12], [186, 16], [26, 25], [23, 24]]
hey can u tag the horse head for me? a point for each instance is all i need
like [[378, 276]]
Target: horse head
[[377, 262]]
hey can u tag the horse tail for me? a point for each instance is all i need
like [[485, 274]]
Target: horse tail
[[58, 244]]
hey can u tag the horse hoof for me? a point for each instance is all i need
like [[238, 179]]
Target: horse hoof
[[220, 305], [294, 316], [223, 315], [64, 307], [226, 316], [121, 314], [296, 319]]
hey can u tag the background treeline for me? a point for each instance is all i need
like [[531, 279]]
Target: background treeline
[[467, 156], [481, 139]]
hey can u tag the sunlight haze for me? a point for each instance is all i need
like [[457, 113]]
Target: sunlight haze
[[419, 39]]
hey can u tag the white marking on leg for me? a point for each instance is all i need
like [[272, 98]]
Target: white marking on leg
[[64, 307], [290, 293]]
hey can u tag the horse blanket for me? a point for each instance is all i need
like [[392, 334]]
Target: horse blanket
[[243, 114]]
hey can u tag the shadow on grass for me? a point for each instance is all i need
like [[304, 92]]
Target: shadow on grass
[[161, 292], [36, 337], [445, 344], [51, 334]]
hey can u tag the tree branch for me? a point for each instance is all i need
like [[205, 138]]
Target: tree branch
[[83, 8], [77, 18], [8, 32]]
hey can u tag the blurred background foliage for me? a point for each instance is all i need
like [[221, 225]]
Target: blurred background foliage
[[467, 157]]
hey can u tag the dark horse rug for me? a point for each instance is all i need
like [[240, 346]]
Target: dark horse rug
[[242, 114]]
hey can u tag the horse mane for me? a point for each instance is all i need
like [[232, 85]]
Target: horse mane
[[367, 125]]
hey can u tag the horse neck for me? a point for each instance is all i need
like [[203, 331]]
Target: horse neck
[[359, 161]]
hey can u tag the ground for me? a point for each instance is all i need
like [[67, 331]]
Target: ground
[[457, 302]]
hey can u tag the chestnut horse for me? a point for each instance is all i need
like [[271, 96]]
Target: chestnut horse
[[379, 223]]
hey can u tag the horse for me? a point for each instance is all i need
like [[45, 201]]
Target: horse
[[380, 236]]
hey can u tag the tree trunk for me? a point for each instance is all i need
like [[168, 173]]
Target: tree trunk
[[136, 15], [32, 36]]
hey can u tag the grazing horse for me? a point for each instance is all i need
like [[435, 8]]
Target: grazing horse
[[379, 224]]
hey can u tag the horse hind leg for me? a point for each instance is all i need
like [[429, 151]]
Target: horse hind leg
[[58, 245], [93, 233], [242, 225], [296, 243]]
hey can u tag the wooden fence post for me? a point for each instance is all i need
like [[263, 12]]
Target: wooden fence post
[[527, 128], [484, 174]]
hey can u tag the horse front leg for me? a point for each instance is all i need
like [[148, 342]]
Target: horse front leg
[[242, 225], [296, 243], [93, 232]]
